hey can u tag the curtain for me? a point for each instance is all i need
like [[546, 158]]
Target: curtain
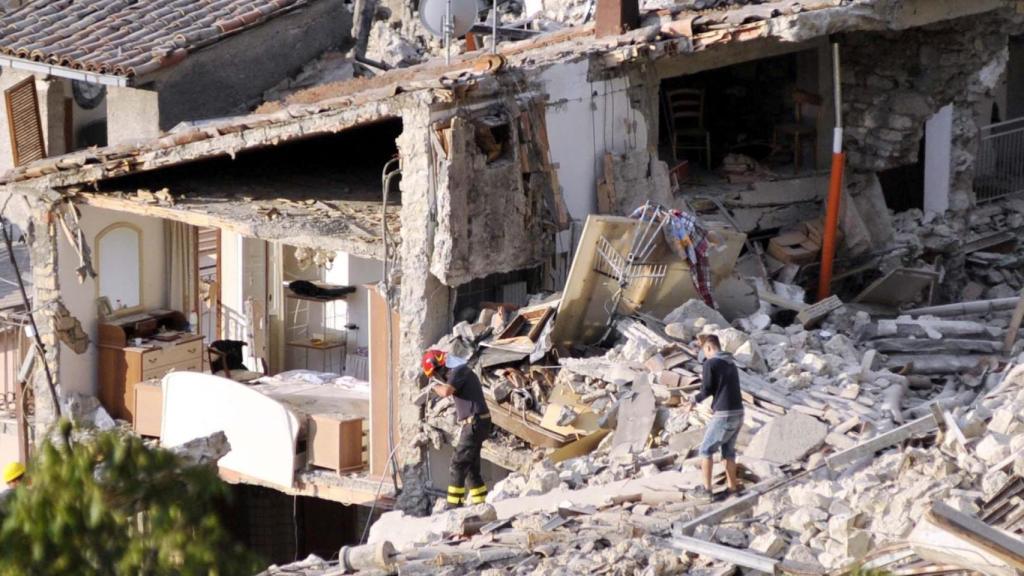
[[183, 267]]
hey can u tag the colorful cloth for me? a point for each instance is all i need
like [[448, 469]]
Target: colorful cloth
[[688, 239]]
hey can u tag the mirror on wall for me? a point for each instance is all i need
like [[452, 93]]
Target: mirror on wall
[[119, 267]]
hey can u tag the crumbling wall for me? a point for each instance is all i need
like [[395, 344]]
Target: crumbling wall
[[423, 300], [41, 236], [492, 216], [893, 82]]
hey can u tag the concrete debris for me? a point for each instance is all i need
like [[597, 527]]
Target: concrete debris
[[389, 46], [787, 439], [85, 410], [824, 395], [204, 451]]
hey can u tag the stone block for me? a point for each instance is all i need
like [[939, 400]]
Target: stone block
[[770, 544], [993, 448], [858, 544], [1006, 421], [696, 309], [787, 438], [804, 520]]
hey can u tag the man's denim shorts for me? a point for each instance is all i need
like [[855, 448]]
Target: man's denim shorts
[[721, 434]]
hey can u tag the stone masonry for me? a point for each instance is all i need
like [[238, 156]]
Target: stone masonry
[[893, 82]]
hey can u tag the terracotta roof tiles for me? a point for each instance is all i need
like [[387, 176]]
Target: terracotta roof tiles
[[127, 37]]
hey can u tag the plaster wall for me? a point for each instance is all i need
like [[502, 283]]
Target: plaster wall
[[78, 372], [587, 119], [231, 75], [349, 270], [135, 115]]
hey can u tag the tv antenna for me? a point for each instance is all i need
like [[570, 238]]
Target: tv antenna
[[449, 19], [635, 265]]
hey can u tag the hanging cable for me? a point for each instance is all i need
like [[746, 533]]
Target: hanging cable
[[391, 169], [31, 318]]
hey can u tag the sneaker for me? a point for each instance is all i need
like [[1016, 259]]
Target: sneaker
[[741, 491], [701, 493]]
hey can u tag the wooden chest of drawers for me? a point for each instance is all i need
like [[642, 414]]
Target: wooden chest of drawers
[[122, 365]]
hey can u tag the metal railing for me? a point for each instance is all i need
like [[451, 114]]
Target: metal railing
[[999, 168]]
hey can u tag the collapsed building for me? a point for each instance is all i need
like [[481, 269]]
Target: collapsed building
[[514, 169]]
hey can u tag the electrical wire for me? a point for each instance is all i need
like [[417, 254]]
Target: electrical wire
[[391, 169], [373, 506]]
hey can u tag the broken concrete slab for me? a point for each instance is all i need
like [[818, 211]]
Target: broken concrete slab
[[788, 438], [635, 419]]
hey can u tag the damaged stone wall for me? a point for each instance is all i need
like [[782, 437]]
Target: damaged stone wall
[[888, 100], [492, 214], [423, 300], [42, 242]]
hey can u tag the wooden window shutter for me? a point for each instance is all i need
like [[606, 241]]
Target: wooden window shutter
[[23, 121]]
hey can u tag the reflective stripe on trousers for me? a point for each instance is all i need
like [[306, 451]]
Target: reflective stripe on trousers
[[456, 494]]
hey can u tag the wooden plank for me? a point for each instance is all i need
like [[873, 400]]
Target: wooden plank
[[523, 427], [894, 436], [581, 447], [378, 376], [818, 311], [776, 300], [996, 542], [735, 556], [1015, 321]]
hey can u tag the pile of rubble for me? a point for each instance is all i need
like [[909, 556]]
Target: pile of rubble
[[874, 437], [841, 472], [819, 405]]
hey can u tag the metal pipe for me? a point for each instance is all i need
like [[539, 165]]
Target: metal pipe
[[494, 27], [448, 28], [835, 189], [63, 72]]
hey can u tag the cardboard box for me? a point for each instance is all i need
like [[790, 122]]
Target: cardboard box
[[149, 408], [336, 442]]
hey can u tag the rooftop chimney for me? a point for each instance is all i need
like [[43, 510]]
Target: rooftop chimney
[[616, 17]]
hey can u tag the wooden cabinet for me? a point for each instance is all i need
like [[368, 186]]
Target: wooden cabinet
[[123, 364], [149, 403], [336, 442]]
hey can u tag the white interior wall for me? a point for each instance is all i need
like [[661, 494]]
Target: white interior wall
[[349, 270], [243, 274], [938, 158], [78, 373], [296, 357], [585, 120]]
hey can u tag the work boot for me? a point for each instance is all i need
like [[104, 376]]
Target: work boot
[[456, 496]]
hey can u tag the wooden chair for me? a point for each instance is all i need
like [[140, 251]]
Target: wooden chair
[[686, 115], [226, 361], [799, 130]]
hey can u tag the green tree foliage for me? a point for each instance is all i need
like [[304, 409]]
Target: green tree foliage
[[110, 505]]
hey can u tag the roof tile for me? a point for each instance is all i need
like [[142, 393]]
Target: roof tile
[[127, 37]]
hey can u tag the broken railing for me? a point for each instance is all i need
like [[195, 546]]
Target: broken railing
[[1000, 162]]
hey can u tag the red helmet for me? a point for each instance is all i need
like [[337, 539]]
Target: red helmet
[[432, 360]]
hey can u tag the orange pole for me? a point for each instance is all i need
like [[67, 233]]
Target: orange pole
[[828, 246]]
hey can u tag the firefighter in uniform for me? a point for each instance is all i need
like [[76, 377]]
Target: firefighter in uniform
[[451, 376]]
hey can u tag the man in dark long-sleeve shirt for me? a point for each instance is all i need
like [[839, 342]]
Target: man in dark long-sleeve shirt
[[720, 381]]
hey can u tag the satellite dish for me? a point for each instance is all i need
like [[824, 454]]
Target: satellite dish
[[463, 15]]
